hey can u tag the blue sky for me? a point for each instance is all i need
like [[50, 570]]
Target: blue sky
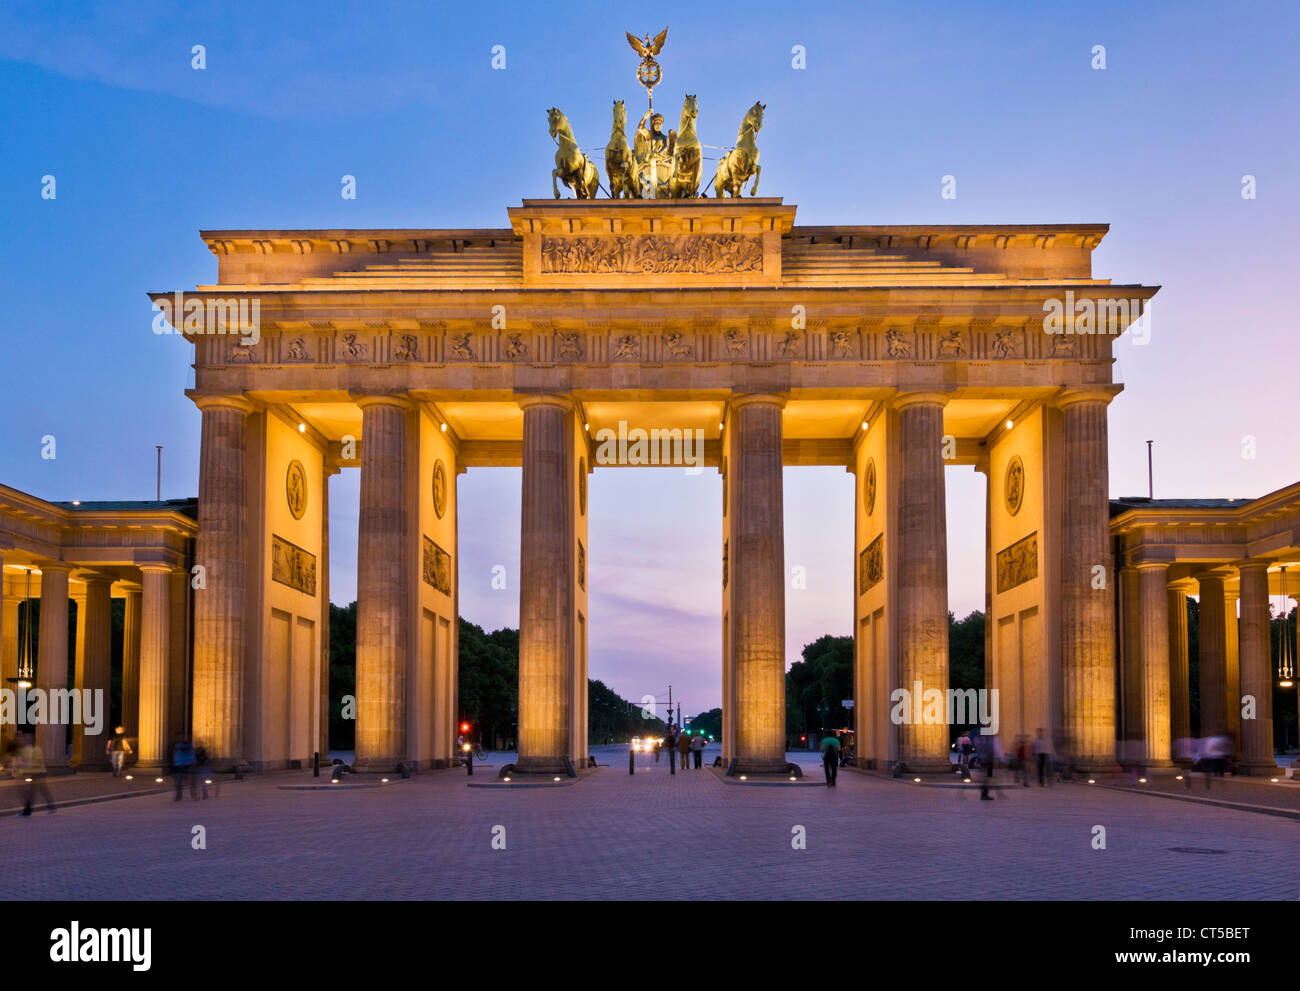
[[146, 151]]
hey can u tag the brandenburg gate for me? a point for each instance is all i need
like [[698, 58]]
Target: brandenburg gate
[[417, 355]]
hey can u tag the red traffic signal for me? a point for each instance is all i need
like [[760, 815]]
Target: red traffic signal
[[464, 727]]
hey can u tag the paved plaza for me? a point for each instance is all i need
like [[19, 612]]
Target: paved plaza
[[615, 836]]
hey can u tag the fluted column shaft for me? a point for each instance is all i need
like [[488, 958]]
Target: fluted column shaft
[[8, 634], [1087, 631], [1153, 590], [383, 583], [1212, 639], [131, 662], [1232, 670], [155, 653], [220, 606], [94, 670], [757, 573], [1256, 670], [545, 585], [1131, 745], [1180, 708], [52, 658], [922, 574]]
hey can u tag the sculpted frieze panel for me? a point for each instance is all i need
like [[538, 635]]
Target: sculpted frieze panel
[[651, 254], [1018, 563], [293, 566]]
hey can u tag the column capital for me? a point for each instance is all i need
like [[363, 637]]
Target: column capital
[[758, 399], [95, 578], [367, 399], [156, 568], [1073, 397], [526, 400], [903, 400], [1254, 565], [56, 567], [1152, 565], [1185, 585], [239, 404]]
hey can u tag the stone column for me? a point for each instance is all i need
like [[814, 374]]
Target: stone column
[[1153, 590], [94, 670], [1256, 670], [131, 663], [922, 573], [1131, 745], [52, 657], [1087, 622], [9, 640], [220, 605], [1231, 670], [545, 585], [155, 650], [1213, 656], [757, 575], [1180, 711], [383, 553]]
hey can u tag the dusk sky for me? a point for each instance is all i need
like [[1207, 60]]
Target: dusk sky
[[146, 151]]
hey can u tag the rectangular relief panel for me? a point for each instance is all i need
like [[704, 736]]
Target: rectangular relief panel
[[436, 567], [1018, 563], [871, 565], [293, 566]]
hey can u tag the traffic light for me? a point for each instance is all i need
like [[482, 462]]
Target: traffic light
[[464, 727]]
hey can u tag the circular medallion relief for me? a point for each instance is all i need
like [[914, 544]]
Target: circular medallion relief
[[869, 487], [582, 486], [1013, 487], [295, 489], [439, 489]]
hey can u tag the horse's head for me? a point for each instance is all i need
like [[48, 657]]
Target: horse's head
[[554, 118], [754, 117], [690, 109], [620, 115]]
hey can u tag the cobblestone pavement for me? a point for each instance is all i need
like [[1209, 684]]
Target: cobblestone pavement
[[612, 836]]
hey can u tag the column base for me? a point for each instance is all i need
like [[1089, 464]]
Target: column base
[[760, 765], [927, 765], [541, 765], [1096, 765], [1258, 768], [375, 765]]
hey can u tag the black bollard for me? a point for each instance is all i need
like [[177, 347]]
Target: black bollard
[[631, 758], [315, 764]]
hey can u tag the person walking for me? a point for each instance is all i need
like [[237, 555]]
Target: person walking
[[182, 764], [830, 758], [670, 744], [31, 763], [117, 748], [684, 749], [1043, 756], [697, 748], [990, 751]]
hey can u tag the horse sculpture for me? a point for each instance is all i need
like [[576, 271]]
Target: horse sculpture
[[571, 165], [737, 166], [620, 165], [685, 182]]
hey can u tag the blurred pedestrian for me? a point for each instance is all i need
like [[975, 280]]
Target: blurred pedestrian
[[182, 765], [697, 748], [1043, 757], [201, 768], [1022, 759], [31, 763], [117, 748], [670, 744], [830, 758], [989, 751], [684, 749]]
